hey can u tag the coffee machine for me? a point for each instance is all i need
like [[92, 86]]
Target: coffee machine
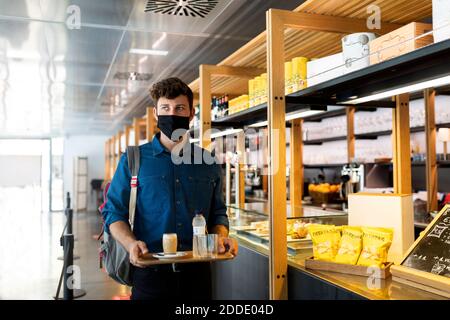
[[352, 180]]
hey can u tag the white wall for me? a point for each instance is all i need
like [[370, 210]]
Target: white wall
[[27, 170], [93, 147]]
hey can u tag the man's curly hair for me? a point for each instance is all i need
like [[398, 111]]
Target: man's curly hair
[[171, 88]]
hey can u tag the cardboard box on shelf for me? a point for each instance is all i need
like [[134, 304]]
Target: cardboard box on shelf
[[400, 41], [326, 68], [441, 20]]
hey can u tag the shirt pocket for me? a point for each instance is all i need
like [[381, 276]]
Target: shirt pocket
[[200, 194], [153, 195]]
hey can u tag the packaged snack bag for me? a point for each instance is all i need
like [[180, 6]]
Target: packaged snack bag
[[350, 245], [376, 243], [325, 239]]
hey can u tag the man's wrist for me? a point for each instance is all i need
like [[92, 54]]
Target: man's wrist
[[220, 229], [130, 243]]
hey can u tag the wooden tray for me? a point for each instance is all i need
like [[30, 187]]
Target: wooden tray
[[149, 260], [383, 273]]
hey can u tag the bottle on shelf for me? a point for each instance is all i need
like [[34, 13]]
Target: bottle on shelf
[[199, 229], [197, 116], [225, 108], [221, 107], [214, 108]]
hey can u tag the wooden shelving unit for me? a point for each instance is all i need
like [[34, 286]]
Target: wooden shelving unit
[[279, 43], [314, 29], [369, 135], [320, 141]]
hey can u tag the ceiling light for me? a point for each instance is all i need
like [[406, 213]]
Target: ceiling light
[[161, 39], [259, 124], [302, 114], [24, 55], [59, 58], [410, 88], [143, 59], [149, 52], [225, 133], [289, 117]]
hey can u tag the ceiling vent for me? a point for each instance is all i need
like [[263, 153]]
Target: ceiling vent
[[133, 76], [193, 8]]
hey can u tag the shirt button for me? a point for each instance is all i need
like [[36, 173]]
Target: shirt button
[[178, 202], [180, 225], [177, 180]]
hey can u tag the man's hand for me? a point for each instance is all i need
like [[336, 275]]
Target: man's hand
[[228, 243], [136, 250]]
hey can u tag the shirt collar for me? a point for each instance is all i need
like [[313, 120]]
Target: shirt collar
[[157, 146]]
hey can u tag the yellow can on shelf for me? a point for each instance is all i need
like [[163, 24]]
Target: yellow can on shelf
[[264, 89], [245, 102], [251, 92], [288, 77], [258, 90], [299, 73]]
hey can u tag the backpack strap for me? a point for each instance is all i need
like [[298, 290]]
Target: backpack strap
[[133, 165]]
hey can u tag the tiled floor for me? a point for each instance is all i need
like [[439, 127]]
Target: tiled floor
[[29, 248]]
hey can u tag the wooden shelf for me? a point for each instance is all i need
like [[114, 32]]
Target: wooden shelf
[[320, 141], [427, 62], [441, 164], [374, 135], [259, 113], [328, 165], [325, 115], [311, 44], [244, 117], [422, 64], [359, 136]]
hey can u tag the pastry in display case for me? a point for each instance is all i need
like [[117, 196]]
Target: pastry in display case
[[298, 238]]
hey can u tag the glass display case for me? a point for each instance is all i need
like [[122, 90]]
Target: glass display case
[[247, 227], [252, 228]]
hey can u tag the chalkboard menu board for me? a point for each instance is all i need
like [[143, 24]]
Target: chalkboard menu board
[[431, 252]]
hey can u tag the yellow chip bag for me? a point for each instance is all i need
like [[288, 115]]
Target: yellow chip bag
[[325, 239], [350, 246], [376, 243]]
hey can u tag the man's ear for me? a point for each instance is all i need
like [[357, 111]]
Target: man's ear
[[155, 113]]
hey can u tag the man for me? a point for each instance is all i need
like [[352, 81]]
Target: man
[[169, 194]]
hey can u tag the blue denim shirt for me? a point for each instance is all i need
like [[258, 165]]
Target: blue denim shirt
[[168, 196]]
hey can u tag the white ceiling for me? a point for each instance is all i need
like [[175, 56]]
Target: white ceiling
[[56, 81]]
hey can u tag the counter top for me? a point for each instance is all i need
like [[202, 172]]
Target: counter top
[[388, 289], [315, 211], [308, 210]]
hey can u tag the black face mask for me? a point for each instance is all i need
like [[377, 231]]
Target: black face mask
[[170, 123]]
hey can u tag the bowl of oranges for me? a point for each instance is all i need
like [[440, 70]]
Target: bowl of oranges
[[323, 192]]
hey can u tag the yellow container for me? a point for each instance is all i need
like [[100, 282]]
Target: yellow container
[[257, 90], [263, 88], [288, 77], [245, 101], [299, 73], [231, 106], [251, 92]]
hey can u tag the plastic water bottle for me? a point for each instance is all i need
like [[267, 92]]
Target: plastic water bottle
[[199, 227]]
